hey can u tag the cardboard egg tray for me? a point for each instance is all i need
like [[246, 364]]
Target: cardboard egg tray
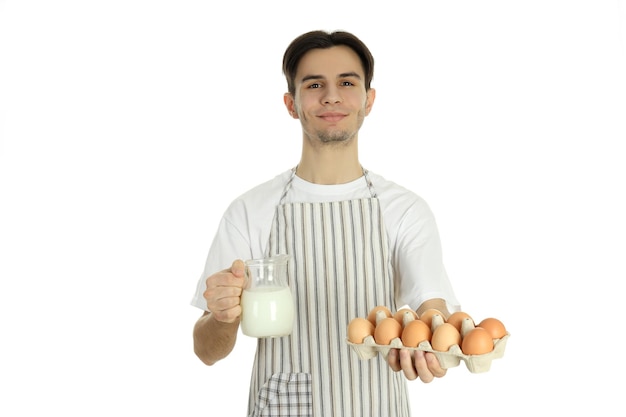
[[450, 359]]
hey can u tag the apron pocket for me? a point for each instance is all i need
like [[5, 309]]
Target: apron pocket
[[285, 394]]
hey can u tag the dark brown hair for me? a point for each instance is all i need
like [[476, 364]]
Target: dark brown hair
[[319, 39]]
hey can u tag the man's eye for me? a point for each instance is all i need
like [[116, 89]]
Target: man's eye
[[346, 83], [315, 85]]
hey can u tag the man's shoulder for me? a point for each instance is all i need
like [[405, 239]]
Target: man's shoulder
[[390, 188], [265, 193], [269, 187], [393, 194]]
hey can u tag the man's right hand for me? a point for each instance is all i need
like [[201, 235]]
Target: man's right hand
[[223, 292]]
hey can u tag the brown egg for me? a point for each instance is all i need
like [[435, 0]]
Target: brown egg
[[477, 341], [387, 330], [494, 326], [427, 316], [372, 314], [414, 333], [456, 319], [399, 315], [444, 337], [359, 328]]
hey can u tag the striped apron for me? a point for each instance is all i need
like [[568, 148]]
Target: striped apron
[[340, 269]]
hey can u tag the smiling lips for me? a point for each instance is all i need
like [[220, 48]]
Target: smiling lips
[[332, 116]]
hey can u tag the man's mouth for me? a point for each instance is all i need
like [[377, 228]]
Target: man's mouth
[[332, 116]]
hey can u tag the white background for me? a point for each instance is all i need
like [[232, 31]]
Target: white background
[[128, 126]]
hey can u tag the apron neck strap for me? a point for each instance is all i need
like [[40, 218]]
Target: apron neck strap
[[293, 174]]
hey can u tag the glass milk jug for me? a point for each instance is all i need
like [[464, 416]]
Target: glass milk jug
[[267, 305]]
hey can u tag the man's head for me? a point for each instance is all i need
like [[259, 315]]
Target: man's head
[[321, 40]]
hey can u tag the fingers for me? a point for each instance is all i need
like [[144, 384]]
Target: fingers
[[223, 292], [229, 315], [415, 364], [393, 360], [422, 367], [427, 366], [406, 361], [402, 360], [433, 365]]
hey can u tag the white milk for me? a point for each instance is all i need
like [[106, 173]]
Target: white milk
[[267, 311]]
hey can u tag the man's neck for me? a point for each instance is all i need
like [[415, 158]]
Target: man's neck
[[329, 166]]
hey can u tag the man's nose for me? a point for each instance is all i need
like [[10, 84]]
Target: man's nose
[[332, 95]]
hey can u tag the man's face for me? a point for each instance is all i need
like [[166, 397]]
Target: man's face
[[330, 98]]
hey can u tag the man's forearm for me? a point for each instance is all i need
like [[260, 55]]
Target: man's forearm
[[213, 340]]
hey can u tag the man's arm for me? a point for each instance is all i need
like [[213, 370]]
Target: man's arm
[[215, 333], [213, 340], [434, 303]]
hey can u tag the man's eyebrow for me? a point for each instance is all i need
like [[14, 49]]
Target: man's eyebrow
[[349, 74], [311, 77], [321, 77]]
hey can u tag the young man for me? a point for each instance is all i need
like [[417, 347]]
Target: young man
[[356, 240]]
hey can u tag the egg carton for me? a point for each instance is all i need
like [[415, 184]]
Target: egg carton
[[449, 359]]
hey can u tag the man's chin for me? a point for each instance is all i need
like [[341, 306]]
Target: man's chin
[[336, 137]]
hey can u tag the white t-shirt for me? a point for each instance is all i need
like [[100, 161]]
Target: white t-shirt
[[415, 246]]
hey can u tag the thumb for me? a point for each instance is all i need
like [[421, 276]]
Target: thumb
[[237, 268]]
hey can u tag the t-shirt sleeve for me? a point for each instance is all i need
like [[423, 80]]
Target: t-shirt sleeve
[[419, 261], [228, 245]]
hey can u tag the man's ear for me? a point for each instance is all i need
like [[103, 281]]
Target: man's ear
[[369, 100], [290, 104]]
